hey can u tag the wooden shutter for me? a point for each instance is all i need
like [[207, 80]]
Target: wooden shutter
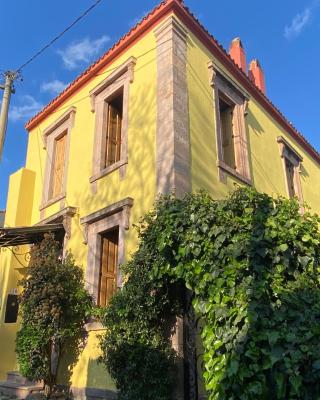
[[226, 124], [108, 268], [290, 178], [113, 140], [58, 165]]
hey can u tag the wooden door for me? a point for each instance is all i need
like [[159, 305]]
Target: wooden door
[[108, 268]]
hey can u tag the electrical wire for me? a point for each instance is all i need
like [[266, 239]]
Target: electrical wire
[[105, 72], [37, 54], [40, 132]]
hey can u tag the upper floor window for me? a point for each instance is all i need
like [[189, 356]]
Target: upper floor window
[[110, 103], [56, 142], [292, 164], [113, 127], [58, 166], [231, 135], [226, 110], [290, 177]]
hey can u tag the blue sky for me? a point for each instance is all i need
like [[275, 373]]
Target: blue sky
[[284, 36]]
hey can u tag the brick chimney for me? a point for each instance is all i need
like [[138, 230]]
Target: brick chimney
[[238, 54], [257, 75]]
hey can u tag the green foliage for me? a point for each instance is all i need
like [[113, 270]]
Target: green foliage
[[136, 346], [54, 307], [253, 264]]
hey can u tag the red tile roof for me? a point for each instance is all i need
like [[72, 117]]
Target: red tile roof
[[143, 27]]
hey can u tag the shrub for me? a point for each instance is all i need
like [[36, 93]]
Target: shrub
[[54, 307]]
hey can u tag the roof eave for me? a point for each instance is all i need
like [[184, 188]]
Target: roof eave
[[218, 51], [153, 18], [141, 29]]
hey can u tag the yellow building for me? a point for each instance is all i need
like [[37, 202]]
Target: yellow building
[[165, 109]]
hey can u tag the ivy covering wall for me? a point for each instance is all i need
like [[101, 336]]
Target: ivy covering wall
[[252, 263]]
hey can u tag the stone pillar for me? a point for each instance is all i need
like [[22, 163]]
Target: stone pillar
[[173, 142]]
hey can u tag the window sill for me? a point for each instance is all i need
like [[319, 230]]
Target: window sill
[[108, 170], [222, 165], [52, 201]]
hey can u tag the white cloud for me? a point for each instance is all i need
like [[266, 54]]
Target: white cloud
[[82, 51], [298, 23], [28, 108], [53, 87]]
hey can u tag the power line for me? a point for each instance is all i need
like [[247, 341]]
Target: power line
[[58, 36], [107, 71]]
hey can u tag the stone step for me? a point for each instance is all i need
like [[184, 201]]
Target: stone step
[[21, 391], [16, 377]]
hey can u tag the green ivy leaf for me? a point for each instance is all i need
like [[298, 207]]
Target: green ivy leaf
[[283, 247]]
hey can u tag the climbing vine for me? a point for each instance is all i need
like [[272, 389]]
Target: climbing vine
[[252, 263]]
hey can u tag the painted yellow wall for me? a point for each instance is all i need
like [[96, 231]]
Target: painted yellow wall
[[19, 207], [25, 190], [262, 132], [139, 183], [141, 143]]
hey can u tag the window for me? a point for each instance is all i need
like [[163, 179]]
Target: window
[[12, 309], [230, 110], [226, 110], [109, 102], [113, 115], [104, 233], [58, 168], [292, 165], [108, 266], [290, 177], [56, 140]]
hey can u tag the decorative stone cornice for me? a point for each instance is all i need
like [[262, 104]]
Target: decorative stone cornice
[[125, 68], [123, 206], [285, 147], [68, 211], [114, 208], [66, 119], [65, 216], [216, 72]]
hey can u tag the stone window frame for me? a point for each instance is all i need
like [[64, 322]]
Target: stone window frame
[[119, 79], [57, 129], [229, 89], [289, 153], [95, 224]]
